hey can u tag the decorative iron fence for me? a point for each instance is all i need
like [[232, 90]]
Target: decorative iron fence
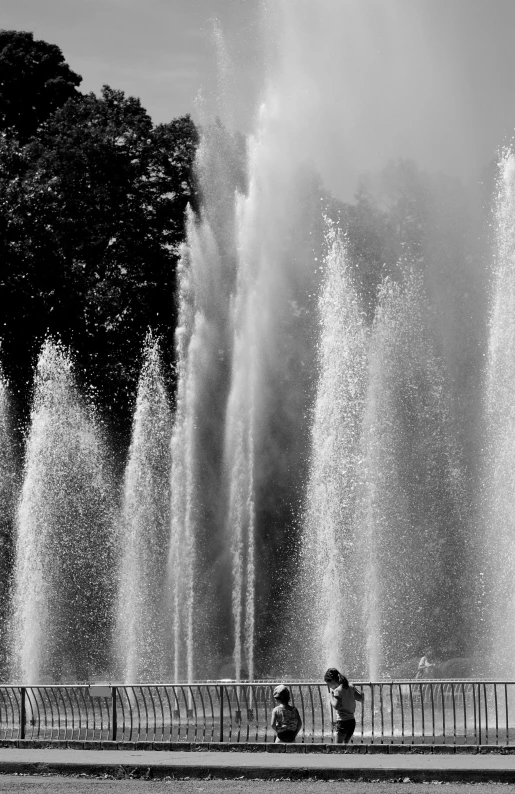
[[404, 712]]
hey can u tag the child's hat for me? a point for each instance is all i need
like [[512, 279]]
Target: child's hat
[[280, 691]]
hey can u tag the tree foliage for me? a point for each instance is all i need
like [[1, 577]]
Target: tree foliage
[[35, 81], [91, 218]]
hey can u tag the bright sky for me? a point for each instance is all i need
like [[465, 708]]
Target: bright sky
[[429, 79], [161, 51]]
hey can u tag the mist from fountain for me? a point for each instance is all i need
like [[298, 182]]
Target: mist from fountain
[[143, 600], [497, 564], [64, 580]]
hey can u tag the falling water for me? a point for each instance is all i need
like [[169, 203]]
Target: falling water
[[8, 492], [8, 462], [411, 491], [142, 626], [329, 554], [499, 551], [65, 551]]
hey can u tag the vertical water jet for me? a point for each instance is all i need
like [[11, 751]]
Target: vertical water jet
[[181, 562], [330, 557], [411, 491], [498, 553], [199, 558], [143, 627], [65, 582], [239, 453], [277, 241], [205, 278], [9, 483]]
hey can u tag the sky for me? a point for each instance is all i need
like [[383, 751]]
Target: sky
[[159, 50], [428, 79]]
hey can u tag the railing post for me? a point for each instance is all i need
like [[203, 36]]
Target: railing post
[[479, 712], [221, 712], [114, 724], [23, 712]]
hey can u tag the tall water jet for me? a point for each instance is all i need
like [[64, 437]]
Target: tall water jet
[[278, 224], [143, 628], [65, 581], [181, 559], [239, 454], [498, 554], [411, 510], [329, 553], [197, 556], [242, 521], [9, 483]]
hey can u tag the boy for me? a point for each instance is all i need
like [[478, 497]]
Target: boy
[[286, 720]]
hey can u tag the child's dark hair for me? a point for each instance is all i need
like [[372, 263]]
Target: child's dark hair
[[332, 674]]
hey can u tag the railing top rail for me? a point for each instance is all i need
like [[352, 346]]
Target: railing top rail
[[268, 683]]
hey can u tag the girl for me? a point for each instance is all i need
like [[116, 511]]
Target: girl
[[343, 698], [286, 720]]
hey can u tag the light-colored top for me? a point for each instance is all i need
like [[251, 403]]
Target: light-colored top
[[346, 701], [424, 665]]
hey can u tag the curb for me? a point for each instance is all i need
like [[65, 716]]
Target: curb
[[263, 773], [260, 747]]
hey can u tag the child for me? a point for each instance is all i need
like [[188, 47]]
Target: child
[[343, 698], [286, 720], [424, 666]]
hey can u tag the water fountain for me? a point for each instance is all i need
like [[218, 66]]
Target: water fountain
[[496, 566], [411, 501], [302, 501], [143, 636], [9, 482], [198, 557], [65, 581], [385, 481], [330, 553]]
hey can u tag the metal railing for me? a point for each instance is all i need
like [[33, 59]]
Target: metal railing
[[400, 712]]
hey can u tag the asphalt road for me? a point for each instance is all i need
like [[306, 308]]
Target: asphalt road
[[66, 785]]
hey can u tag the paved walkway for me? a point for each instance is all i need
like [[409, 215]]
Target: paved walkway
[[200, 764]]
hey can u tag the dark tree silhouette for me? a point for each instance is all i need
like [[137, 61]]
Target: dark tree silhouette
[[35, 81], [91, 217]]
